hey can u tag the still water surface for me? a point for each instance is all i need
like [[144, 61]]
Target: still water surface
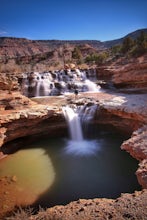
[[59, 170]]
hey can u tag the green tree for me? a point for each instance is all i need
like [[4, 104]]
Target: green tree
[[102, 57], [76, 54], [115, 49], [142, 39], [140, 46], [97, 58], [127, 45], [141, 43], [91, 58]]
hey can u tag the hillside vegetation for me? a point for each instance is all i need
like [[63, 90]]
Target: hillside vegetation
[[19, 55]]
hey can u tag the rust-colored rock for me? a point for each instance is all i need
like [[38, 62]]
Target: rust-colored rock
[[142, 173], [137, 147], [132, 75], [128, 206], [137, 144], [21, 117]]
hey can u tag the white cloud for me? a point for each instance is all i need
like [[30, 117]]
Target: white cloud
[[2, 32]]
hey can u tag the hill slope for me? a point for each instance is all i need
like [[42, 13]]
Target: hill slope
[[132, 35], [18, 47], [23, 55]]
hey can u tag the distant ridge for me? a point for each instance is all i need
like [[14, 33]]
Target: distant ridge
[[93, 43], [97, 44], [11, 47], [132, 35]]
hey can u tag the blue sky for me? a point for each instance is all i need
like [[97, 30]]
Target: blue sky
[[72, 19]]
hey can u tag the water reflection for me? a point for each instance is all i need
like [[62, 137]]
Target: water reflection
[[90, 168], [32, 171]]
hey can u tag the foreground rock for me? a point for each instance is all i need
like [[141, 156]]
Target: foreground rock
[[21, 117], [128, 206], [137, 147]]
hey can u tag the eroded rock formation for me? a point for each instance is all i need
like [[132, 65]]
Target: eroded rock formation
[[131, 76], [21, 117], [125, 112], [137, 147], [128, 75], [128, 206]]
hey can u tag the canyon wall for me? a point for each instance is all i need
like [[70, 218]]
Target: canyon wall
[[21, 117], [131, 76], [137, 147], [126, 74]]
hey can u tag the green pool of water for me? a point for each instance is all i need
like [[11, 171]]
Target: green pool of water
[[58, 170]]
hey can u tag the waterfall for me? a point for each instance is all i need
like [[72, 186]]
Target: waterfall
[[42, 86], [87, 113], [74, 123], [38, 88], [75, 118], [77, 145], [62, 81], [92, 86]]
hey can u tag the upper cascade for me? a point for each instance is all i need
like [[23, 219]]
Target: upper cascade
[[59, 82]]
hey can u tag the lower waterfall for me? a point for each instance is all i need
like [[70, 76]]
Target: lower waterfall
[[74, 123], [77, 144]]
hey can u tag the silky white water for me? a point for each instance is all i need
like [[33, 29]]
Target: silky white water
[[59, 82], [74, 124], [77, 145], [92, 87]]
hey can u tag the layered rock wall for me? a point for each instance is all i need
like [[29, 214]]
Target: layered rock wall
[[137, 147], [26, 118], [126, 74], [125, 112], [131, 76]]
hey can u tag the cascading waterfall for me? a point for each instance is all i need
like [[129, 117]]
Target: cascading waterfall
[[77, 144], [59, 82], [74, 123], [42, 85], [92, 87], [87, 112]]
